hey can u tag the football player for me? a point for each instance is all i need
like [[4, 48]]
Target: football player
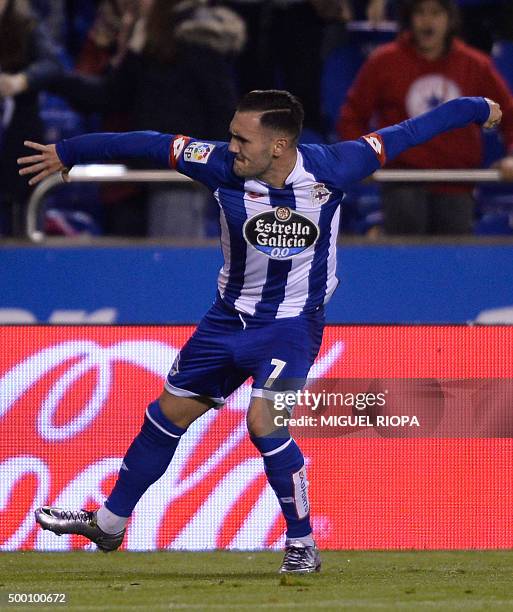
[[279, 204]]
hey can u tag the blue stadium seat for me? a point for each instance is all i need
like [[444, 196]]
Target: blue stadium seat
[[361, 209], [495, 202], [339, 71], [342, 64], [502, 54], [494, 210]]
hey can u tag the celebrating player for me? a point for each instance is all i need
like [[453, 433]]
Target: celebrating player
[[279, 207]]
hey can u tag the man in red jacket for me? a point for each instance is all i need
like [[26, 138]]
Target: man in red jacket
[[426, 66]]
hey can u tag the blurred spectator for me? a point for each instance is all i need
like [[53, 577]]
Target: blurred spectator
[[483, 22], [68, 22], [107, 41], [425, 67], [27, 62], [52, 13], [287, 43], [283, 49], [105, 47], [375, 11], [176, 77]]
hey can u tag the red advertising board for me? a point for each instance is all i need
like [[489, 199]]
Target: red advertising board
[[72, 398]]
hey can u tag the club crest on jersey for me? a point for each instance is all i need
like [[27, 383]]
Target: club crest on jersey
[[280, 233], [320, 194], [198, 152]]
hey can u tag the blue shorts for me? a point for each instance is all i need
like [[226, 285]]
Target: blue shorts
[[229, 347]]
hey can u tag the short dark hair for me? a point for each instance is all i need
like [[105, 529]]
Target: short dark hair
[[408, 8], [281, 110]]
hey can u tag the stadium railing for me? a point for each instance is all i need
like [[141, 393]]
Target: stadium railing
[[110, 173]]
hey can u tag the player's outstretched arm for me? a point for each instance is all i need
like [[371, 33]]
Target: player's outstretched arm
[[455, 114], [102, 147], [42, 164], [360, 158]]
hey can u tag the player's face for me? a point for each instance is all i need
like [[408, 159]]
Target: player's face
[[430, 26], [252, 144]]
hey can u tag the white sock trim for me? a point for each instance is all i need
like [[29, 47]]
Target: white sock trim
[[160, 426], [277, 450]]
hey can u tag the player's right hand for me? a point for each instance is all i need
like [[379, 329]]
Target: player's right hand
[[43, 164], [495, 116]]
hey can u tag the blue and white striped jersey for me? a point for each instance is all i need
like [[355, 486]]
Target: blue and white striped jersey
[[278, 244]]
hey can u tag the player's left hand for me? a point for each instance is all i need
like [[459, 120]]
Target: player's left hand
[[43, 164], [495, 115]]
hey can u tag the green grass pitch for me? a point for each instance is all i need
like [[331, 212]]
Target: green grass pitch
[[248, 581]]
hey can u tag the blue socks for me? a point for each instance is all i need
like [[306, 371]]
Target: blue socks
[[145, 461], [285, 469], [153, 448]]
